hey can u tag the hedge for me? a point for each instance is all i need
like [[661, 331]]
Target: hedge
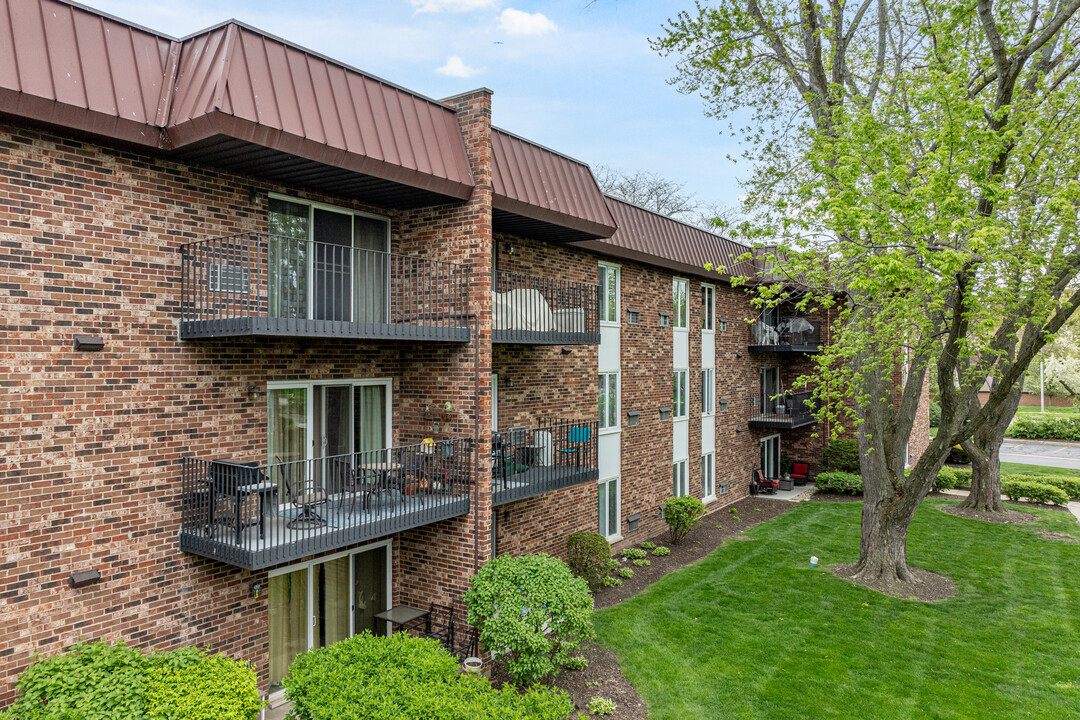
[[842, 455], [587, 554], [840, 482], [1051, 428], [1070, 485], [102, 681], [1034, 491], [406, 678]]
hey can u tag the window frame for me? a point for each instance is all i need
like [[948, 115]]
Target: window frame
[[708, 391], [708, 308], [708, 461], [617, 376], [680, 286], [680, 485], [603, 491], [603, 271], [678, 399]]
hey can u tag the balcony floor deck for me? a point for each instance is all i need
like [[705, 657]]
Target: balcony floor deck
[[539, 480], [290, 327], [345, 525]]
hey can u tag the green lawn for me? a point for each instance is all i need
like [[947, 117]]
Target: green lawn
[[1022, 469], [1049, 410], [752, 632]]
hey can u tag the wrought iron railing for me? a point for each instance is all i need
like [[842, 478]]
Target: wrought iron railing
[[789, 332], [542, 310], [260, 284], [256, 515], [531, 461], [794, 410]]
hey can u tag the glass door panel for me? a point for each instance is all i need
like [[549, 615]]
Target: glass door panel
[[288, 258], [369, 588], [372, 269], [287, 441], [337, 425], [332, 265], [289, 620], [369, 421], [331, 598]]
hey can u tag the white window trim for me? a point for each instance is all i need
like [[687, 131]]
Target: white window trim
[[309, 564], [710, 331], [712, 412], [686, 305], [712, 497], [617, 427], [617, 479], [618, 295], [685, 475], [685, 394]]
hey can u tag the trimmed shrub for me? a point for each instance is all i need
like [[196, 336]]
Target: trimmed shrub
[[1034, 491], [946, 479], [532, 610], [842, 455], [102, 681], [625, 572], [935, 413], [1071, 485], [958, 456], [406, 678], [660, 551], [1050, 428], [681, 515], [839, 482], [633, 553], [963, 477], [587, 554]]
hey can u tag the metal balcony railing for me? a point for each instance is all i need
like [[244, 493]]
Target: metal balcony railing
[[532, 461], [260, 284], [254, 516], [790, 334], [545, 311], [792, 411]]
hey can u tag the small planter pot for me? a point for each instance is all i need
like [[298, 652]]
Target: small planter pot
[[472, 665]]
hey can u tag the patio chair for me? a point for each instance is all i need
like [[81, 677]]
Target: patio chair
[[765, 486], [439, 624], [800, 473], [577, 441], [301, 496], [465, 641]]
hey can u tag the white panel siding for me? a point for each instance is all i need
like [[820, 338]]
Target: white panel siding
[[708, 434], [609, 347], [609, 448]]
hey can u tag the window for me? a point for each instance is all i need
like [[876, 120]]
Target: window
[[678, 395], [609, 293], [678, 479], [771, 400], [609, 400], [708, 307], [608, 525], [665, 319], [721, 325], [633, 317], [678, 296], [708, 476], [708, 391]]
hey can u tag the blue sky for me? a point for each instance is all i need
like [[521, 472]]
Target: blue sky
[[577, 77]]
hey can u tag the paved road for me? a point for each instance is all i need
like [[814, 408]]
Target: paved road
[[1041, 452]]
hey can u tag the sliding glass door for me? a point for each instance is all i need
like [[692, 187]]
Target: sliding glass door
[[327, 263], [770, 456]]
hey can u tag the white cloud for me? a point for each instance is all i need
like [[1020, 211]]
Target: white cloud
[[456, 67], [519, 22], [435, 6]]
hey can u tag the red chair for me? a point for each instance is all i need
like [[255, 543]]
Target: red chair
[[800, 473], [765, 486]]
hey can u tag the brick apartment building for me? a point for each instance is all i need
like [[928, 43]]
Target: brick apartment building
[[286, 345]]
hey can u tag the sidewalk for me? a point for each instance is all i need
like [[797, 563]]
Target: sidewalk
[[1074, 506]]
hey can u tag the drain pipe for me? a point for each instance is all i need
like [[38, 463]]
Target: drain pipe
[[476, 430]]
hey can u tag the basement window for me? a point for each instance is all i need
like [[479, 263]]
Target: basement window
[[665, 319], [633, 317]]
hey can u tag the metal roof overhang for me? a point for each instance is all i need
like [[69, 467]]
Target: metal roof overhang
[[519, 218]]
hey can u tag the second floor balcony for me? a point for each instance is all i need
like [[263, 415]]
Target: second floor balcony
[[545, 311], [785, 334], [532, 461], [272, 285], [786, 413]]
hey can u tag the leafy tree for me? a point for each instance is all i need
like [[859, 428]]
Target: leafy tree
[[916, 165]]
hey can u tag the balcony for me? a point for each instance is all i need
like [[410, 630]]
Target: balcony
[[790, 334], [269, 285], [532, 461], [254, 516], [793, 411], [545, 311]]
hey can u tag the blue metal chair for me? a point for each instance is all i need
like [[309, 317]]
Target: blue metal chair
[[577, 440]]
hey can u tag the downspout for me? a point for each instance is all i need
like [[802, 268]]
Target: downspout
[[476, 426]]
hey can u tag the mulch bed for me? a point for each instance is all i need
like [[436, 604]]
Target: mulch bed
[[603, 677], [1009, 517], [701, 541], [927, 587]]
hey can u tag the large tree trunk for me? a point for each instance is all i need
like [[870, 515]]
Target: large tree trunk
[[984, 449], [883, 547]]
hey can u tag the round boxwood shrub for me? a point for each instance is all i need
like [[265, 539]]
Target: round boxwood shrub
[[842, 455], [1034, 491], [588, 554], [839, 482], [681, 515], [958, 456], [532, 611], [405, 678]]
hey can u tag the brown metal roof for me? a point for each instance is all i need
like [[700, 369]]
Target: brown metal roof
[[540, 192], [72, 66], [652, 238]]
